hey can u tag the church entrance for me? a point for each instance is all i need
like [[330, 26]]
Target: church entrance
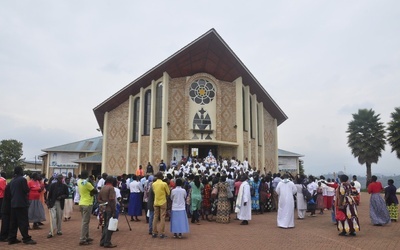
[[203, 150]]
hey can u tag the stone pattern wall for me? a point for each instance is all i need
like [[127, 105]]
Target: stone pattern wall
[[226, 112], [270, 143], [245, 146], [144, 149], [178, 109], [156, 157], [116, 139], [227, 152], [133, 152]]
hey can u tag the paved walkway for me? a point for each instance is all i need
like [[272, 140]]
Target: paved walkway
[[262, 233]]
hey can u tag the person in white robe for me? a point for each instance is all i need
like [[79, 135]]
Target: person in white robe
[[285, 190], [300, 200], [243, 202]]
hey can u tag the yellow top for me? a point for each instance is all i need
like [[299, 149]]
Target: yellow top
[[161, 190], [85, 187]]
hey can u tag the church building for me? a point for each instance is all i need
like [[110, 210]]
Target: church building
[[199, 100]]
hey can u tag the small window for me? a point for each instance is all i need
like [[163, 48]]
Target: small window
[[136, 109], [147, 113], [159, 99]]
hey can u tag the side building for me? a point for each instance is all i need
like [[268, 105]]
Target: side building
[[200, 99], [74, 157]]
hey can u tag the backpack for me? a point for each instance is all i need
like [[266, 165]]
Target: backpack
[[307, 195]]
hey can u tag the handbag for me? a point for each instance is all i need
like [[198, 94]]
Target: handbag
[[340, 216], [113, 224]]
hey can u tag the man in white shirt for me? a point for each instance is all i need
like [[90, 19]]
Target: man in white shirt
[[101, 182]]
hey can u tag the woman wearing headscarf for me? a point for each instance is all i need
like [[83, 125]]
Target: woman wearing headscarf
[[346, 206], [391, 200], [378, 211], [195, 198]]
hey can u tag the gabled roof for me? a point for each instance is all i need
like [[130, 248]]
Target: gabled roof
[[288, 154], [88, 145], [207, 54]]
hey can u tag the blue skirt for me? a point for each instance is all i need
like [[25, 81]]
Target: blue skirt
[[179, 222], [135, 204]]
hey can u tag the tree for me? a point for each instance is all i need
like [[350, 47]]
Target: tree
[[366, 138], [301, 167], [10, 155], [394, 132]]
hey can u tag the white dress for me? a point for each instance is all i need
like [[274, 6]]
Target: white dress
[[286, 189]]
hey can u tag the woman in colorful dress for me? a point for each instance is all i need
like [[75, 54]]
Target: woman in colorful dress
[[391, 200], [378, 211], [223, 205], [255, 199], [344, 203], [263, 195], [206, 203], [195, 198]]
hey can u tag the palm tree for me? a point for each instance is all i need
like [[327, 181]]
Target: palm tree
[[366, 138], [394, 132]]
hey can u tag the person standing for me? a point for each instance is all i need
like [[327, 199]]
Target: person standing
[[86, 192], [312, 188], [243, 208], [300, 200], [161, 191], [357, 185], [135, 199], [344, 204], [276, 179], [69, 202], [285, 190], [107, 198], [3, 184], [5, 210], [179, 222], [195, 198], [391, 200], [378, 211], [55, 201], [19, 218], [162, 167], [36, 210], [149, 169], [223, 206]]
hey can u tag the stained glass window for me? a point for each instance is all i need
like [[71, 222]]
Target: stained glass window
[[202, 91]]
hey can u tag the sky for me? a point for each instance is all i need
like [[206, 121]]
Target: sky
[[319, 60]]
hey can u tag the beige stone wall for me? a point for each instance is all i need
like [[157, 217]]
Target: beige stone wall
[[144, 149], [156, 157], [116, 139], [227, 152], [259, 162], [178, 109], [254, 163], [245, 146], [271, 146], [226, 112], [133, 153]]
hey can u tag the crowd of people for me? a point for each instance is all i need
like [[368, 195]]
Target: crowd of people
[[199, 191]]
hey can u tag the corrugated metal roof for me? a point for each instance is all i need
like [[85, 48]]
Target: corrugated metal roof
[[88, 145], [90, 159], [287, 153]]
